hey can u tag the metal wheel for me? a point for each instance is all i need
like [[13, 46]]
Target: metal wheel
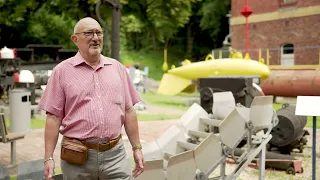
[[291, 170], [201, 176], [206, 97]]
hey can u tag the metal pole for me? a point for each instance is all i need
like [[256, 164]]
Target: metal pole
[[262, 163], [247, 35], [247, 31], [314, 147]]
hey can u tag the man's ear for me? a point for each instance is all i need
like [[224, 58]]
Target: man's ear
[[74, 39]]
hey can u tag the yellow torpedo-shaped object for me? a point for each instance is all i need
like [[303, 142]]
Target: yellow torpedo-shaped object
[[180, 79]]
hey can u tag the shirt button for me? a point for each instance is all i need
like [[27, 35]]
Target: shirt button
[[101, 122], [99, 96], [100, 109], [97, 84]]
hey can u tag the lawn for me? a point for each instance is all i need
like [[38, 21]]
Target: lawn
[[150, 58], [155, 99]]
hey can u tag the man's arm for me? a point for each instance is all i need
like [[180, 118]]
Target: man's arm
[[132, 130], [131, 127], [51, 134]]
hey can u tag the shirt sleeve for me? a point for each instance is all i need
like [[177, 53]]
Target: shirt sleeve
[[132, 96], [53, 99]]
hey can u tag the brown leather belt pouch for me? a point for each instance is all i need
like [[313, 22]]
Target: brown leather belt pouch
[[73, 151]]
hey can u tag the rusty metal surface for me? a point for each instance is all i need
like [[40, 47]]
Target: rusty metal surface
[[292, 83]]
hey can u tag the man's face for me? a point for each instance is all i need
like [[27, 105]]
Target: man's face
[[89, 38]]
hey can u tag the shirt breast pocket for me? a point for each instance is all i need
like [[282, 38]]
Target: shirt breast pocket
[[116, 96], [116, 105]]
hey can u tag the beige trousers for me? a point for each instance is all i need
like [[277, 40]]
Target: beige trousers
[[112, 164]]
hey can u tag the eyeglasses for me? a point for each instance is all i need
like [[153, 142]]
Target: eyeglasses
[[89, 34]]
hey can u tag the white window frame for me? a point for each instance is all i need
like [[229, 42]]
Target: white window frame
[[287, 59], [288, 1]]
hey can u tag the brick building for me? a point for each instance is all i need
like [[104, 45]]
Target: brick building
[[290, 29]]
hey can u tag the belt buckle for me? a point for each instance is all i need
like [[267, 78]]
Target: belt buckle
[[104, 144]]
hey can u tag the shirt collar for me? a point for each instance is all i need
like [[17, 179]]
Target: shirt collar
[[79, 60]]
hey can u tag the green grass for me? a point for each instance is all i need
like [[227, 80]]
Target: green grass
[[154, 99], [152, 59], [151, 117], [310, 121], [35, 123], [277, 106]]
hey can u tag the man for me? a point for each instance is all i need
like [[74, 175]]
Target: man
[[90, 97]]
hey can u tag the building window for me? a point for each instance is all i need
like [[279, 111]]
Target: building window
[[287, 55], [288, 3]]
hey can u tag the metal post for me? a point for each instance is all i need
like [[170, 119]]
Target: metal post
[[13, 152], [247, 36], [314, 147], [268, 60], [262, 163]]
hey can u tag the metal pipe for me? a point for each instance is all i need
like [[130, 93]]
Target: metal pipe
[[268, 60], [314, 147]]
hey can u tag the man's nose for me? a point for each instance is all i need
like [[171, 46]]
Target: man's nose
[[95, 36]]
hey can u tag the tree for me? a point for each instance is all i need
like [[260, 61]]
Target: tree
[[115, 40], [14, 17], [212, 12]]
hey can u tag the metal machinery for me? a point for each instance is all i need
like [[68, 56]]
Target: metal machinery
[[37, 58], [193, 150], [241, 87], [233, 123], [8, 67], [288, 135]]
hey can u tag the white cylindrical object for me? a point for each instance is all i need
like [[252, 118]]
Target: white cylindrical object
[[20, 110]]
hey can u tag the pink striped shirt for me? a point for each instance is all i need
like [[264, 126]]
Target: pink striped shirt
[[91, 103]]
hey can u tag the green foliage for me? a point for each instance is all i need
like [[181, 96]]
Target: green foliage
[[132, 24], [15, 12], [190, 28], [212, 11], [168, 16], [49, 28], [75, 9]]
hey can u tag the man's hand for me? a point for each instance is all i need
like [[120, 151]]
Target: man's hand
[[139, 160], [49, 169]]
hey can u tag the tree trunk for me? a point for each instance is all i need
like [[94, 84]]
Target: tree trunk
[[154, 42], [105, 27], [115, 40], [190, 41]]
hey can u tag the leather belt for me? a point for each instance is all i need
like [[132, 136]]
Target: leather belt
[[101, 146]]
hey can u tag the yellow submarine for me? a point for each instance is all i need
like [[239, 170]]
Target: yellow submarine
[[183, 79]]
